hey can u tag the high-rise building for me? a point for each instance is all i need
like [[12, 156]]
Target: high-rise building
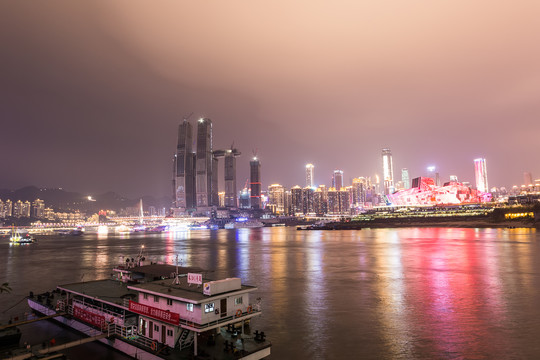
[[204, 164], [244, 201], [359, 188], [320, 200], [337, 179], [453, 178], [184, 169], [287, 203], [38, 208], [230, 177], [405, 179], [388, 171], [307, 200], [296, 200], [309, 175], [255, 183], [221, 197], [276, 198], [480, 174], [18, 209]]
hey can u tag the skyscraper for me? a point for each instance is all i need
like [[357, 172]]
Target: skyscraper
[[405, 179], [184, 172], [230, 177], [255, 183], [337, 179], [309, 175], [296, 200], [276, 198], [388, 171], [204, 163], [480, 173]]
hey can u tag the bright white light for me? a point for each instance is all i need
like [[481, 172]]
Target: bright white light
[[431, 168]]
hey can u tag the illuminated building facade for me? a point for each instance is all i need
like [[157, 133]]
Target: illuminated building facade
[[38, 208], [424, 192], [480, 174], [359, 188], [309, 175], [307, 200], [388, 171], [320, 200], [230, 177], [296, 200], [204, 163], [255, 183], [405, 179], [276, 198], [337, 179]]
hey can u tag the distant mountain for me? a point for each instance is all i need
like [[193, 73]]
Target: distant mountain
[[61, 200]]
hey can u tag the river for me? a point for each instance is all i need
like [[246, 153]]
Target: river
[[409, 293]]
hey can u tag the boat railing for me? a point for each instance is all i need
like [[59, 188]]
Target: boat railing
[[130, 333], [226, 319]]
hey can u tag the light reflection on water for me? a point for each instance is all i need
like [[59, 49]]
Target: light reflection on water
[[419, 293]]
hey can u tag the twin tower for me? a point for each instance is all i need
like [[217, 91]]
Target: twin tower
[[195, 174]]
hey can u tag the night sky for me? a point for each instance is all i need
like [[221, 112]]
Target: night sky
[[91, 93]]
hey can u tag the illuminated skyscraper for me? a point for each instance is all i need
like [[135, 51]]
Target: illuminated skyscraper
[[337, 179], [296, 200], [255, 183], [309, 175], [405, 179], [307, 200], [359, 187], [204, 163], [230, 177], [276, 198], [480, 173], [320, 200], [184, 171], [388, 171]]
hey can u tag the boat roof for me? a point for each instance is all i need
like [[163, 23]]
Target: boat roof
[[163, 270], [109, 291], [183, 291]]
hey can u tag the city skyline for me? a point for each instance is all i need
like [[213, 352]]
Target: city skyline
[[89, 103]]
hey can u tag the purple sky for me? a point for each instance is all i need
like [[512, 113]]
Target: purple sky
[[91, 93]]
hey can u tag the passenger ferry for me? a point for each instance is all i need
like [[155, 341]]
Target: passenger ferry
[[183, 317]]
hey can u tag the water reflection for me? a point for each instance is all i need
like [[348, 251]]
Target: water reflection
[[382, 293]]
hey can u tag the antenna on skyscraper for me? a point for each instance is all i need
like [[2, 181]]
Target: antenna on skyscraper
[[186, 118], [255, 151]]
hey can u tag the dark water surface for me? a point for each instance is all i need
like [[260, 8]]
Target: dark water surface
[[413, 293]]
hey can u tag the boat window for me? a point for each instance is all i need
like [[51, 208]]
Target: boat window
[[209, 307], [238, 301], [169, 302], [189, 306], [156, 298], [145, 296], [169, 332]]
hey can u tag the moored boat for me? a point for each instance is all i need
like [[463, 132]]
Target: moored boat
[[183, 317]]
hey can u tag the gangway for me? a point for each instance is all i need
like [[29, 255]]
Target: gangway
[[37, 350], [2, 327]]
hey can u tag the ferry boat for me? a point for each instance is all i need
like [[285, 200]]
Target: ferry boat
[[184, 317], [17, 239]]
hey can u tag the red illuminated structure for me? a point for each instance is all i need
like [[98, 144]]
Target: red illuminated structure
[[424, 192]]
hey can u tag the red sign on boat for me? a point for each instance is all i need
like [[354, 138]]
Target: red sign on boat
[[159, 314], [88, 317]]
